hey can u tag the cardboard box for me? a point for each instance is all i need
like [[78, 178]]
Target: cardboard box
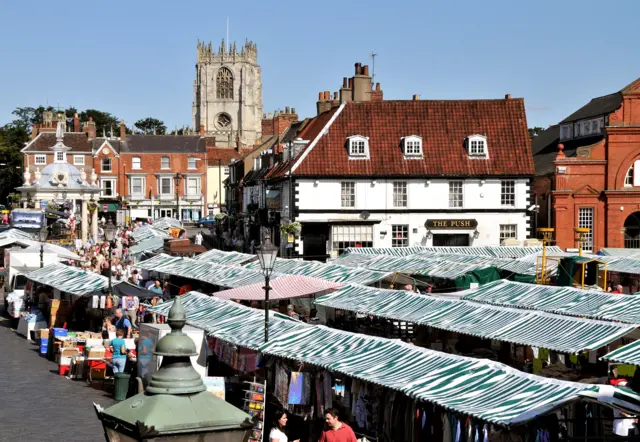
[[68, 352], [43, 333], [96, 352]]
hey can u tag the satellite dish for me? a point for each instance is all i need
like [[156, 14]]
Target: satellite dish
[[365, 215]]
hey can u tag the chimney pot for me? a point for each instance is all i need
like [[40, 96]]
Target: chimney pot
[[345, 82], [377, 87], [365, 70], [269, 116], [293, 110], [358, 65], [351, 83], [335, 96], [264, 116], [416, 97], [202, 130], [327, 95], [123, 130], [507, 97], [320, 96], [286, 109]]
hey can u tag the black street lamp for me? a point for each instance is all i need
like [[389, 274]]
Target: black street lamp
[[109, 235], [267, 256], [42, 236], [178, 178]]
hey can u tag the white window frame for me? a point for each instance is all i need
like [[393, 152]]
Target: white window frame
[[198, 187], [59, 157], [348, 194], [508, 231], [113, 187], [142, 185], [43, 159], [358, 147], [628, 178], [477, 146], [453, 197], [586, 218], [412, 146], [78, 160], [508, 193], [344, 236], [400, 194], [162, 160], [102, 169], [171, 185], [195, 163], [400, 229], [135, 166], [565, 131]]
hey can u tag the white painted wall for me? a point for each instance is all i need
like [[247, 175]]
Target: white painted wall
[[325, 196]]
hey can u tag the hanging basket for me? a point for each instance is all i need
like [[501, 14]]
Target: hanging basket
[[291, 229], [92, 207]]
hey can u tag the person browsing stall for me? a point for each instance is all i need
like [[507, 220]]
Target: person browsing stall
[[336, 431], [278, 433], [122, 323], [119, 349]]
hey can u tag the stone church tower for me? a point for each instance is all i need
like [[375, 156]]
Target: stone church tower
[[227, 94]]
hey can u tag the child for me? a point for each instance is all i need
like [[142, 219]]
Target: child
[[119, 349]]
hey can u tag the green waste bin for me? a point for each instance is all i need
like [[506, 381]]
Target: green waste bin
[[121, 386]]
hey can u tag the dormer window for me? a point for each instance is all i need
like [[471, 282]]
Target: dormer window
[[358, 146], [412, 146], [477, 146]]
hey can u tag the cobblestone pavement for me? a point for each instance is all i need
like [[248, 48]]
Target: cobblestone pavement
[[36, 404]]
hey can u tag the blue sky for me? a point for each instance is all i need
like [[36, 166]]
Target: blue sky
[[136, 58]]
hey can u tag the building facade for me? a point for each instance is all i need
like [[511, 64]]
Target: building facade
[[227, 94], [585, 173]]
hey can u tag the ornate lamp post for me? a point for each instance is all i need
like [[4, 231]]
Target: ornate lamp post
[[109, 235], [175, 406], [42, 236], [178, 178], [267, 256]]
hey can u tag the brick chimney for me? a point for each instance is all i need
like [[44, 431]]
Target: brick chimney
[[376, 95], [202, 130], [90, 129], [76, 122], [123, 130], [507, 97], [361, 83]]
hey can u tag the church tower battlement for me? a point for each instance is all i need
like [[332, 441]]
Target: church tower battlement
[[227, 102]]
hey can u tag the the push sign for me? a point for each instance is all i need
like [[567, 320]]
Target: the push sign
[[451, 224]]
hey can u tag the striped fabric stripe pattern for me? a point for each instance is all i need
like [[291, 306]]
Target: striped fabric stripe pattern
[[69, 279], [525, 327], [166, 223], [148, 245], [627, 354], [561, 300], [285, 287], [488, 251], [484, 389], [147, 232], [228, 258]]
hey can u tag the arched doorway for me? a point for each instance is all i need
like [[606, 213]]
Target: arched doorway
[[632, 231]]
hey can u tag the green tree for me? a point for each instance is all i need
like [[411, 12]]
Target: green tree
[[105, 122], [535, 131], [151, 125], [13, 137]]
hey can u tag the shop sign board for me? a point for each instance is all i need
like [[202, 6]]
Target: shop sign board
[[451, 224]]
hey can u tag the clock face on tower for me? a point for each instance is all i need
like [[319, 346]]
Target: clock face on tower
[[223, 121]]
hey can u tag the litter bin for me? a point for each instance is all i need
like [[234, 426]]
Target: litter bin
[[121, 386]]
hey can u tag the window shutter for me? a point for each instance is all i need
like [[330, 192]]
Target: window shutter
[[636, 173]]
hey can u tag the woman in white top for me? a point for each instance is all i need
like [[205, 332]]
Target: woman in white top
[[277, 432]]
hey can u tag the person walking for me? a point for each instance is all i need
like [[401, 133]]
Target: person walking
[[198, 238], [278, 433], [119, 349]]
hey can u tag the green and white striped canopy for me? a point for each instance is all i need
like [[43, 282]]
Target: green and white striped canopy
[[227, 258], [148, 245], [166, 223], [561, 300], [537, 329], [211, 273], [627, 354], [488, 251], [329, 272], [612, 251], [484, 389], [69, 279], [144, 233]]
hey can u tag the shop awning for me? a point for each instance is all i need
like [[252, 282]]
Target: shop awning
[[484, 389], [69, 279], [627, 354], [537, 329], [285, 287], [228, 258], [329, 272], [561, 300], [211, 273]]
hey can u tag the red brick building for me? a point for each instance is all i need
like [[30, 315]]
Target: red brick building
[[588, 172]]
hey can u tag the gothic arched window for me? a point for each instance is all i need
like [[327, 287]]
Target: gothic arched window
[[224, 83]]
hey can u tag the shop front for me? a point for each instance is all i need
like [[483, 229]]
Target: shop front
[[451, 232]]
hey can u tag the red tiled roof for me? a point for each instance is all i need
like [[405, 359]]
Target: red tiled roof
[[443, 126], [224, 154], [77, 141]]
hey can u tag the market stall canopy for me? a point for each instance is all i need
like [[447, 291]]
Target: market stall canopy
[[228, 258], [627, 354], [125, 288], [488, 251], [69, 279], [536, 329], [147, 246], [216, 274], [329, 272], [561, 300], [620, 398], [146, 232], [612, 251], [285, 287], [480, 388], [165, 223], [53, 248]]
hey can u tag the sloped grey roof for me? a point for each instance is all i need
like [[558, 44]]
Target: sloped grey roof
[[163, 144], [597, 106]]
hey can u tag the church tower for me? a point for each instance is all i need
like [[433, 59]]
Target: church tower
[[227, 94]]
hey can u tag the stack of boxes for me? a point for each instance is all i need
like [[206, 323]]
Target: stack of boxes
[[43, 340], [58, 312]]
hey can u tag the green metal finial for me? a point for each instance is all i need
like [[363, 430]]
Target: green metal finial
[[176, 375]]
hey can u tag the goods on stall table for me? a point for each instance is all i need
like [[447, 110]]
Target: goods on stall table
[[254, 403]]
